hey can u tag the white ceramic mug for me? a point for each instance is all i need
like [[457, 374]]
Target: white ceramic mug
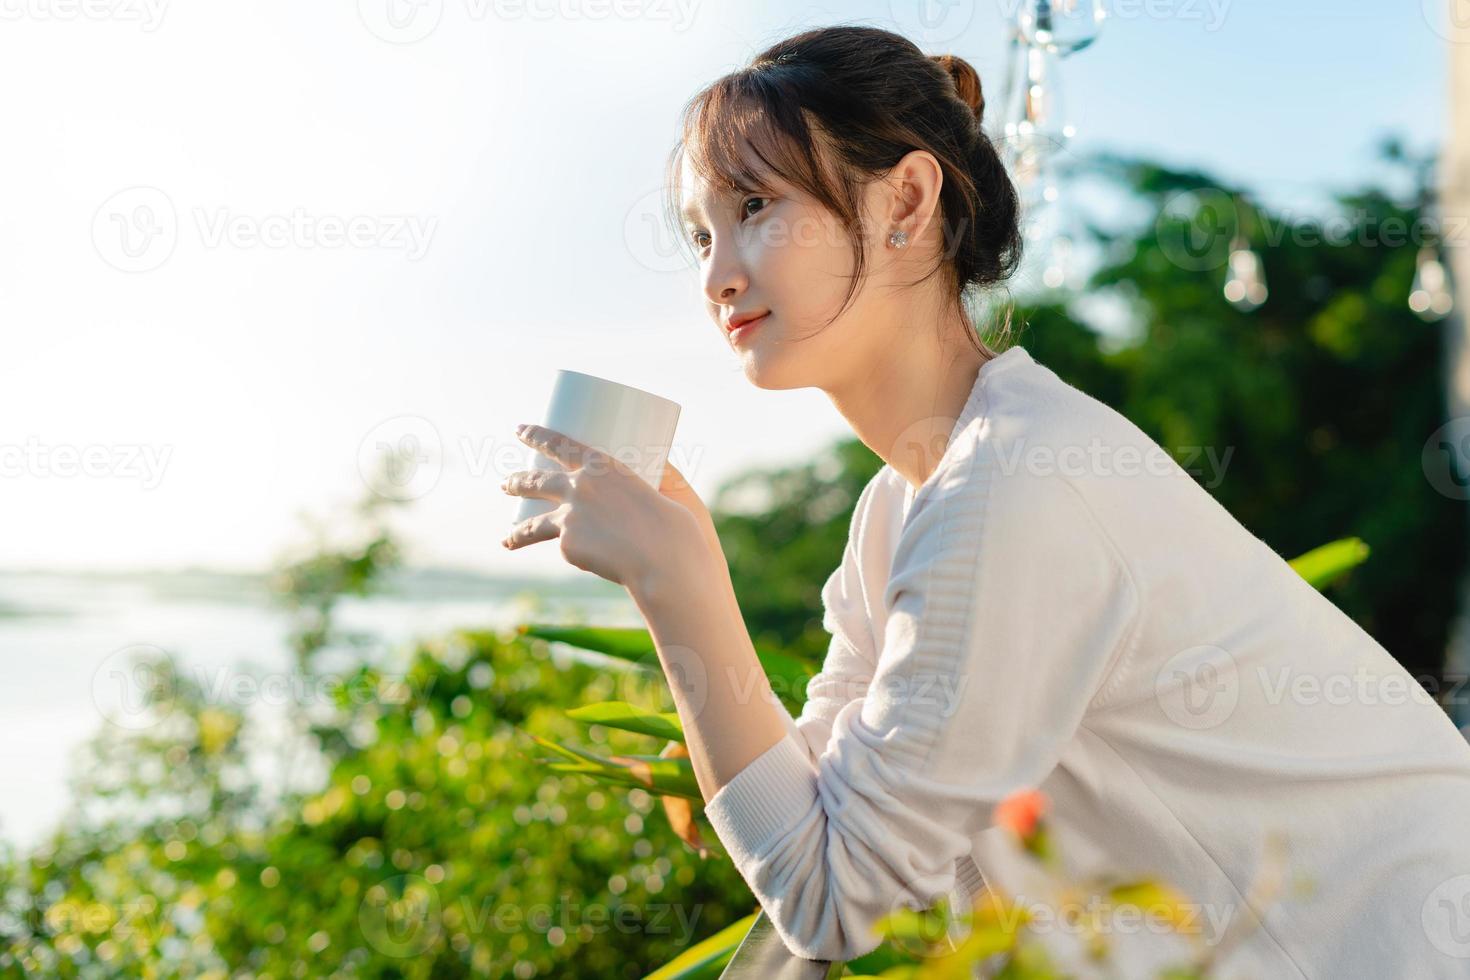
[[634, 426]]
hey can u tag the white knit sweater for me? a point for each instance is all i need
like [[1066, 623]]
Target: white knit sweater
[[1062, 606]]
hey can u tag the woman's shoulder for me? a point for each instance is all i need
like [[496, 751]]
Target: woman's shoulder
[[1030, 446], [1025, 426], [1027, 446], [1029, 407], [1038, 445]]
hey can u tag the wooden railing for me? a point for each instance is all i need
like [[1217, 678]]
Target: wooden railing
[[762, 955]]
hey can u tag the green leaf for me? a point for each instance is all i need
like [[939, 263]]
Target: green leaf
[[1321, 566], [621, 714], [669, 777], [633, 644], [879, 961], [707, 957], [623, 779], [625, 643]]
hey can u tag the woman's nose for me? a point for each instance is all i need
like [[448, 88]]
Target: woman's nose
[[724, 276]]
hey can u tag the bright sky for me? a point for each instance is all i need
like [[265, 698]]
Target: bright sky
[[240, 242]]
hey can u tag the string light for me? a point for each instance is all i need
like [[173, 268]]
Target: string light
[[1036, 125], [1430, 296], [1060, 26], [1245, 287]]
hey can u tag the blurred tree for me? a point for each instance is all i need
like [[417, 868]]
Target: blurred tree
[[783, 532], [1323, 397], [416, 835]]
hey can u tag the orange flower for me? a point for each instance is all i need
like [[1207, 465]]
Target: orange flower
[[1021, 811]]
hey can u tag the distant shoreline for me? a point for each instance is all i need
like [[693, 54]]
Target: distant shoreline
[[440, 576], [252, 587]]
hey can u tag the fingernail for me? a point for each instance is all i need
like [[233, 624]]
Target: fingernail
[[521, 429]]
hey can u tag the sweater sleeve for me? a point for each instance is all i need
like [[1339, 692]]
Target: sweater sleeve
[[1007, 607], [844, 677]]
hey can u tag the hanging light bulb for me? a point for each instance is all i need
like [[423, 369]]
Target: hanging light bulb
[[1060, 26], [1036, 119], [1246, 286], [1429, 296], [1036, 125]]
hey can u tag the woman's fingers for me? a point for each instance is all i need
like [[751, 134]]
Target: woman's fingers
[[542, 527], [546, 484], [555, 445]]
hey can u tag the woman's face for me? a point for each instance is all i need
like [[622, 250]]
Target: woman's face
[[784, 255]]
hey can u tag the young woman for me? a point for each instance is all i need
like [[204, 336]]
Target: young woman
[[1033, 593]]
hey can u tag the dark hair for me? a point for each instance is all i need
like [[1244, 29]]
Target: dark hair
[[854, 100]]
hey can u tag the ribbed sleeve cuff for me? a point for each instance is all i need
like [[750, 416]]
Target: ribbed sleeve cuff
[[764, 800]]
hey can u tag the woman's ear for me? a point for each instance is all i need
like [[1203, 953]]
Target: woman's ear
[[910, 195]]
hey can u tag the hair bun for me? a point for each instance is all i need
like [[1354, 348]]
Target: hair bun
[[966, 81]]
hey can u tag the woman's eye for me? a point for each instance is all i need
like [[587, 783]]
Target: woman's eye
[[699, 238], [751, 200]]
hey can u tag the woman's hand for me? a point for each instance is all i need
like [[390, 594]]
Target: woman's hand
[[610, 521], [677, 488]]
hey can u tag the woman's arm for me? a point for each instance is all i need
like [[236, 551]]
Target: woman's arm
[[729, 712], [1006, 606]]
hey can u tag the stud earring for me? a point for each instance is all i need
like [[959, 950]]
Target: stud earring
[[898, 239]]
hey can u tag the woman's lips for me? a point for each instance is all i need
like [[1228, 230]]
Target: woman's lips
[[745, 328]]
